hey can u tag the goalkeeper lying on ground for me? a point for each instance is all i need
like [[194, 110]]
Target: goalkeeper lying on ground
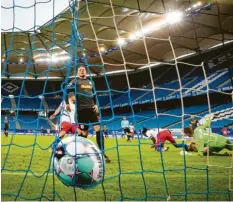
[[207, 140]]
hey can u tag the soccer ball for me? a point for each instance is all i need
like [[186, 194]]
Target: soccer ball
[[183, 153], [78, 162]]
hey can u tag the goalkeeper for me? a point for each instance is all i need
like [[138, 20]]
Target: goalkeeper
[[207, 141]]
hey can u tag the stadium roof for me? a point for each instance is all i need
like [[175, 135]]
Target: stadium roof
[[127, 34]]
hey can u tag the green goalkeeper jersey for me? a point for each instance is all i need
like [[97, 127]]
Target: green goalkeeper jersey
[[204, 137]]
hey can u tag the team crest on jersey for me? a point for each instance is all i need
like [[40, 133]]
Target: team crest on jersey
[[86, 86]]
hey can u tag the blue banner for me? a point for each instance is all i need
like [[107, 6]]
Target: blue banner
[[227, 132], [138, 101]]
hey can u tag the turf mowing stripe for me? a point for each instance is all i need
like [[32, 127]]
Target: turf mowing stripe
[[21, 173]]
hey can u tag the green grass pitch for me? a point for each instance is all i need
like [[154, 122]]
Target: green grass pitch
[[125, 160]]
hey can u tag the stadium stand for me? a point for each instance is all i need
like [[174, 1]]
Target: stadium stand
[[167, 91], [169, 118]]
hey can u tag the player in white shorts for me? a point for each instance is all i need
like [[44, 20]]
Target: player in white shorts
[[67, 118], [130, 135], [152, 134], [159, 137]]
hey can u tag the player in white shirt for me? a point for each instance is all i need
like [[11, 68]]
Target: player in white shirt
[[131, 128], [159, 137], [131, 132], [151, 134], [67, 118]]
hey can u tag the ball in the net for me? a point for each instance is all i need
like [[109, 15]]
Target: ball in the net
[[78, 162]]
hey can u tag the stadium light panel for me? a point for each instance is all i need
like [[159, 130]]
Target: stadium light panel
[[184, 56], [151, 65], [38, 60], [159, 24], [102, 49], [173, 17], [54, 59], [21, 60], [146, 30], [132, 36], [124, 10], [138, 34], [37, 56], [62, 58], [45, 77], [220, 44], [67, 57], [48, 59], [67, 45], [62, 52], [54, 48], [117, 71], [154, 26], [88, 75], [121, 41]]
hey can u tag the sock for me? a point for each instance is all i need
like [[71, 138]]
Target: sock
[[100, 140], [186, 147], [57, 139], [159, 149], [182, 145], [55, 143]]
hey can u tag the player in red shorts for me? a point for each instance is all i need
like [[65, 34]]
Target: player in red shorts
[[224, 131], [67, 118], [130, 135], [159, 137]]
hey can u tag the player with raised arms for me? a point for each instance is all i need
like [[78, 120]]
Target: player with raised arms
[[67, 118], [159, 137], [87, 109], [208, 141]]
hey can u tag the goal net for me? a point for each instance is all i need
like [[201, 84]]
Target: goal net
[[158, 63]]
